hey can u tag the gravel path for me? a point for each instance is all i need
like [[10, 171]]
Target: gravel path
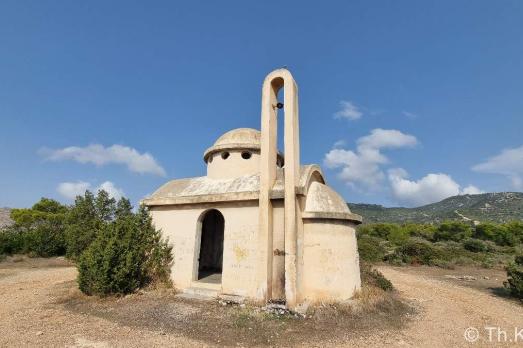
[[447, 310], [30, 315]]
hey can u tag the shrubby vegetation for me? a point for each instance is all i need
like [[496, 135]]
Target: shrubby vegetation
[[126, 254], [38, 231], [447, 245], [116, 250], [515, 277]]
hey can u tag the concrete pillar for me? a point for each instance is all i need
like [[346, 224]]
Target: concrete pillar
[[276, 80]]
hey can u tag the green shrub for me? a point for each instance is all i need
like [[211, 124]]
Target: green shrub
[[417, 251], [475, 245], [126, 254], [499, 234], [11, 241], [86, 217], [516, 229], [455, 231], [39, 230], [515, 277], [371, 248], [424, 231], [373, 277]]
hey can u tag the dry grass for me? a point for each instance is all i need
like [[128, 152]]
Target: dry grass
[[246, 325]]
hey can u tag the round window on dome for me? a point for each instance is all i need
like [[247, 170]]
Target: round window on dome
[[225, 155], [246, 155]]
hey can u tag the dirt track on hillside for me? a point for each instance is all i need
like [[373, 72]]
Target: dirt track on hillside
[[31, 314]]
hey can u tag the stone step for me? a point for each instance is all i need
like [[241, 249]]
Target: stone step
[[200, 293]]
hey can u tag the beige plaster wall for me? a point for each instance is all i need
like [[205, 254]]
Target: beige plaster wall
[[278, 242], [234, 166], [181, 225], [331, 269]]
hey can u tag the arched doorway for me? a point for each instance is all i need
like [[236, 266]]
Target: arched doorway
[[210, 259]]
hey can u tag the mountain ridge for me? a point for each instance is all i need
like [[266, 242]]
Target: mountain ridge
[[494, 207]]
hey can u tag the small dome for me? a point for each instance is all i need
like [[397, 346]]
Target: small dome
[[237, 139], [244, 136], [321, 198], [324, 202]]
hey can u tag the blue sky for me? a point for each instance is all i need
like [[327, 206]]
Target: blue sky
[[401, 102]]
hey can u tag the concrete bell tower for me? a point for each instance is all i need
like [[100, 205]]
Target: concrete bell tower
[[276, 80]]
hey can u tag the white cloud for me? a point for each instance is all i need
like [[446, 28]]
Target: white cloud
[[430, 189], [386, 138], [111, 189], [99, 155], [508, 163], [348, 111], [339, 143], [471, 190], [70, 190], [410, 115], [363, 166]]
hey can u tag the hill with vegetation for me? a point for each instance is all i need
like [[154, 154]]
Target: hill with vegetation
[[494, 207]]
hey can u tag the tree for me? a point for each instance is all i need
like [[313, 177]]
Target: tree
[[87, 216], [41, 229], [127, 254]]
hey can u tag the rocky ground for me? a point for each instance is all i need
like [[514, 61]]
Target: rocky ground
[[42, 307]]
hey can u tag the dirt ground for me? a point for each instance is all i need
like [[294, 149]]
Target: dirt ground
[[40, 306]]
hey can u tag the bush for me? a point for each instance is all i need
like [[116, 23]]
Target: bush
[[516, 229], [371, 248], [515, 277], [417, 251], [373, 277], [38, 230], [11, 242], [126, 254], [87, 216], [499, 234], [475, 245], [455, 231]]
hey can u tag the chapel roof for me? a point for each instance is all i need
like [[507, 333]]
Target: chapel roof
[[204, 189]]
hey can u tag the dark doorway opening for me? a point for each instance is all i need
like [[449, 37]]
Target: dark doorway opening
[[210, 260]]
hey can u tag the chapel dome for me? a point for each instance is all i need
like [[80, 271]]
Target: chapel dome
[[238, 139], [323, 202]]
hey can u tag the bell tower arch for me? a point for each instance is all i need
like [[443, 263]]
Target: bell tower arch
[[273, 83]]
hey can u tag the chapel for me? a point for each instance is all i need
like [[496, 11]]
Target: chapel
[[260, 225]]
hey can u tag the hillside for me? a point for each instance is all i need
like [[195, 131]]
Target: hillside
[[496, 207], [4, 217]]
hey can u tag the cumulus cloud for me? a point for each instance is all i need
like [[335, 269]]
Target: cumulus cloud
[[471, 190], [348, 110], [70, 190], [143, 163], [508, 163], [363, 166], [430, 189], [111, 189]]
